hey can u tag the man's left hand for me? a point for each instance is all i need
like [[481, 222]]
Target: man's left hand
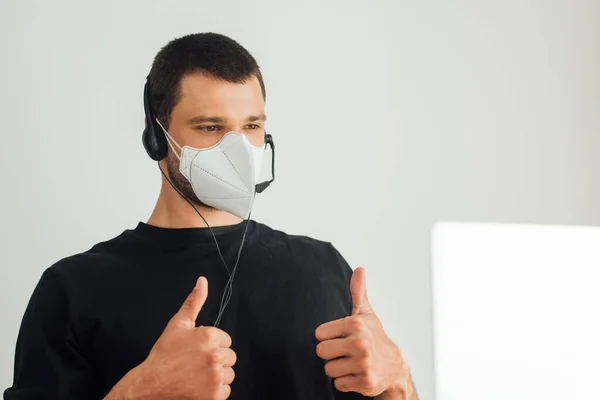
[[360, 356]]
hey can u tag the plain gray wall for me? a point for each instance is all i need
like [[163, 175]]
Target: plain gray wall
[[388, 116]]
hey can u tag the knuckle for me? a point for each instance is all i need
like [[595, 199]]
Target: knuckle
[[220, 392], [225, 392], [215, 336], [362, 346], [361, 343], [217, 394], [210, 334], [214, 356], [368, 381], [356, 323], [189, 301], [363, 363], [216, 376]]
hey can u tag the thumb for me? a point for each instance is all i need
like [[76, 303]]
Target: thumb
[[358, 290], [187, 314]]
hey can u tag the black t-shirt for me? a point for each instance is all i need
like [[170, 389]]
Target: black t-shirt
[[96, 315]]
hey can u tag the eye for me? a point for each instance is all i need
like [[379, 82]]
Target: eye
[[253, 126], [209, 128]]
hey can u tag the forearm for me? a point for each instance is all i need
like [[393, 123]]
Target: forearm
[[135, 385]]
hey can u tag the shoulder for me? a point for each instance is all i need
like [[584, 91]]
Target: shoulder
[[278, 240], [268, 234], [302, 249], [96, 264]]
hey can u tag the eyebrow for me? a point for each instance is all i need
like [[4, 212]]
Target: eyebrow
[[219, 120]]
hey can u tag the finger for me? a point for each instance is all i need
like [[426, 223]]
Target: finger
[[342, 367], [358, 290], [214, 337], [187, 314], [228, 375], [349, 383], [225, 392], [334, 348], [340, 328], [229, 357]]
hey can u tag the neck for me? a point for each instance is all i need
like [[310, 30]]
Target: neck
[[172, 211]]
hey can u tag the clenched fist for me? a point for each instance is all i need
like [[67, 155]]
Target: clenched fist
[[187, 362]]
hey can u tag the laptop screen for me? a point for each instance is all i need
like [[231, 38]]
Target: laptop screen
[[516, 311]]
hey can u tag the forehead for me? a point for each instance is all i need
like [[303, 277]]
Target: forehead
[[204, 94]]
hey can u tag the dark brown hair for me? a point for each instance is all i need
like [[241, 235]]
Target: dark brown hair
[[210, 53]]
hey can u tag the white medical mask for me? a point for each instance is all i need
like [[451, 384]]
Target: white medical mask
[[225, 175]]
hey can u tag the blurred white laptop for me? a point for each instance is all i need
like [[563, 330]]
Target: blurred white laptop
[[516, 311]]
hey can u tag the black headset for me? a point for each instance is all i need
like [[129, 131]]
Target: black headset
[[155, 141]]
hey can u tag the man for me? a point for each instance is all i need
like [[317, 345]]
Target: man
[[119, 321]]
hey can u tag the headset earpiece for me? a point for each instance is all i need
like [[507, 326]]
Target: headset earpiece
[[153, 138]]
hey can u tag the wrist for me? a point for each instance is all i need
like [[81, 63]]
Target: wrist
[[393, 393], [400, 391]]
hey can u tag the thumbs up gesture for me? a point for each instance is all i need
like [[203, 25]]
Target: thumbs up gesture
[[360, 356], [187, 362]]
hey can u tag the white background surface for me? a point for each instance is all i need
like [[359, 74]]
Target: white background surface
[[516, 312], [388, 116]]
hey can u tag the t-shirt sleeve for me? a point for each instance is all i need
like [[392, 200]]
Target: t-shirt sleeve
[[49, 363], [346, 272]]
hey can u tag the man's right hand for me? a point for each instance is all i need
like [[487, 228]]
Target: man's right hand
[[187, 362]]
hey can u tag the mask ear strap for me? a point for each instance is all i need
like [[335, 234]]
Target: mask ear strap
[[171, 141]]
